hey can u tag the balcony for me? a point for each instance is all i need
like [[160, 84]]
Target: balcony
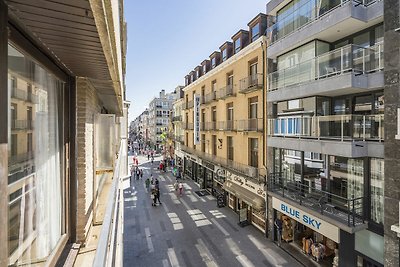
[[24, 95], [251, 83], [20, 158], [188, 126], [188, 105], [21, 125], [252, 173], [351, 68], [229, 125], [250, 125], [343, 211], [177, 118], [343, 135], [210, 97], [313, 21], [208, 126], [226, 92], [179, 138]]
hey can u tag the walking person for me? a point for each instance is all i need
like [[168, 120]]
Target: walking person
[[157, 193], [147, 182], [180, 187], [278, 224], [153, 194], [141, 173]]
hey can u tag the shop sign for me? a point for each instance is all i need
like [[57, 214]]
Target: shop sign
[[196, 117], [245, 183], [220, 172], [316, 224]]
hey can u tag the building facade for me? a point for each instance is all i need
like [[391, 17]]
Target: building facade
[[159, 118], [326, 127], [222, 117], [57, 104], [178, 131]]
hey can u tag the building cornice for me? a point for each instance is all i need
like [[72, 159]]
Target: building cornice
[[242, 53]]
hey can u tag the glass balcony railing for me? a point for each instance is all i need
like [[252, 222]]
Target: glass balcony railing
[[349, 58], [225, 92], [305, 13], [337, 127], [346, 210], [251, 83]]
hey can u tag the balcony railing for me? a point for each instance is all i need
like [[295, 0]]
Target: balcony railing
[[346, 210], [188, 126], [24, 95], [179, 138], [338, 127], [229, 125], [188, 105], [253, 173], [250, 125], [208, 126], [349, 58], [177, 118], [20, 158], [21, 125], [251, 83], [305, 14], [226, 91], [210, 97]]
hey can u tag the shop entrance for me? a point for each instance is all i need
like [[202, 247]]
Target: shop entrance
[[303, 241]]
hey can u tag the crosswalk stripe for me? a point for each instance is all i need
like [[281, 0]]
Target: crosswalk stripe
[[220, 227], [148, 239], [172, 257], [185, 204], [205, 254]]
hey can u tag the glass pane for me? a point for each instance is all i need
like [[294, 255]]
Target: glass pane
[[35, 176], [377, 189]]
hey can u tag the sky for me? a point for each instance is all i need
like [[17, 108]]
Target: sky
[[168, 38]]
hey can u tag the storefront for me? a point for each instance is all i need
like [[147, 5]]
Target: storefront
[[193, 170], [208, 169], [247, 199], [313, 236], [219, 180]]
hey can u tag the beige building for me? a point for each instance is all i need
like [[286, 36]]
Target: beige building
[[224, 128]]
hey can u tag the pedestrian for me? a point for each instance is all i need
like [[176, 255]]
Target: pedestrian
[[153, 194], [278, 224], [147, 182], [176, 184], [141, 173], [161, 166], [180, 187], [137, 173], [148, 156], [158, 194]]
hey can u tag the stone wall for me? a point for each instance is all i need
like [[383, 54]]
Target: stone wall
[[392, 145], [87, 106]]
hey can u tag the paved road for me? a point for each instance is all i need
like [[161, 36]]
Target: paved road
[[189, 230]]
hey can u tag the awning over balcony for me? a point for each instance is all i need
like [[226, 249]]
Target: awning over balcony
[[81, 38], [250, 198]]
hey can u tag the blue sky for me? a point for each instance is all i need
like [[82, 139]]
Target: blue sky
[[169, 38]]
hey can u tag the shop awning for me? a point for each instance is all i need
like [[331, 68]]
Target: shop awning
[[247, 196]]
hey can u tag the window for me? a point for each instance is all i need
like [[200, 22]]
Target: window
[[229, 142], [224, 54], [214, 144], [377, 189], [253, 152], [198, 73], [214, 118], [14, 145], [237, 45], [253, 116], [29, 142], [204, 69], [203, 143], [255, 32], [229, 116], [213, 62]]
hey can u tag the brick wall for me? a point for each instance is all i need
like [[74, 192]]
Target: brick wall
[[88, 105]]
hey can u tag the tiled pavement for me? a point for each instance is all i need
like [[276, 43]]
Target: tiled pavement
[[189, 230]]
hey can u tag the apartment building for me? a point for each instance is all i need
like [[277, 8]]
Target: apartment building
[[223, 111], [159, 117], [326, 127], [177, 128], [58, 105]]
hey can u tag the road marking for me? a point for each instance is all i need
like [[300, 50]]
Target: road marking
[[220, 227], [209, 197], [217, 214], [172, 257], [193, 212], [192, 198], [176, 222], [185, 204], [205, 254], [162, 178], [274, 258], [198, 217], [174, 198], [165, 207], [186, 186], [148, 239], [165, 263], [244, 261], [202, 222]]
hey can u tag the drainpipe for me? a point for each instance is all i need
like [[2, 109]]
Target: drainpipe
[[264, 133]]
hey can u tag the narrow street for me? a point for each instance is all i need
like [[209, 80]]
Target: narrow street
[[189, 230]]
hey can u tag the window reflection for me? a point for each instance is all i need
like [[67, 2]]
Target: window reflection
[[34, 160]]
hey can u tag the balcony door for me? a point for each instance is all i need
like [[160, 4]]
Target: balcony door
[[253, 106], [253, 152], [229, 116], [253, 74]]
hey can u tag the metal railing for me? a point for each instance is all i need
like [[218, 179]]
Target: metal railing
[[19, 158], [188, 126], [339, 127], [251, 83], [349, 58], [24, 95], [229, 125], [105, 251], [177, 118], [22, 125], [305, 14], [345, 210], [188, 105], [210, 97], [226, 91], [252, 173], [250, 125]]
